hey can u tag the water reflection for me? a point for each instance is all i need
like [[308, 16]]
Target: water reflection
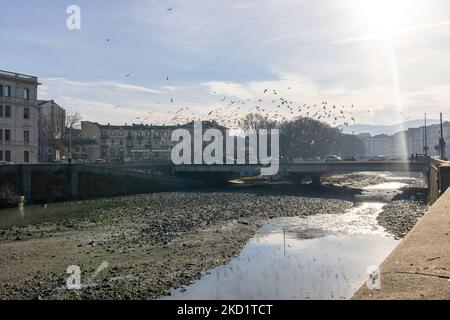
[[24, 215], [282, 266], [316, 257]]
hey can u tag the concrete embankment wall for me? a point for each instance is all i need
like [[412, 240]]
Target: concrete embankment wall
[[61, 182], [419, 268], [439, 179]]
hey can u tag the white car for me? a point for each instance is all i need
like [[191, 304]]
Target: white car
[[5, 163], [332, 158]]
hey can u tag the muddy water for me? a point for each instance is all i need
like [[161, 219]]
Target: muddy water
[[49, 213], [316, 257]]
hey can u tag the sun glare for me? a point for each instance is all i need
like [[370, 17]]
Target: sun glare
[[385, 16]]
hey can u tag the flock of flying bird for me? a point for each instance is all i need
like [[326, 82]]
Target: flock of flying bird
[[274, 108], [269, 106]]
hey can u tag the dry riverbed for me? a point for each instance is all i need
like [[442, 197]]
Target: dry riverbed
[[139, 247]]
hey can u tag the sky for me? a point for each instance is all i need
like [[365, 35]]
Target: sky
[[387, 58]]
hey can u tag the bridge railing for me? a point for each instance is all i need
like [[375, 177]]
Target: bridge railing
[[439, 179]]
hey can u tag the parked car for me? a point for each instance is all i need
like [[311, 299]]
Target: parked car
[[378, 158], [5, 163], [313, 159], [349, 159], [332, 158]]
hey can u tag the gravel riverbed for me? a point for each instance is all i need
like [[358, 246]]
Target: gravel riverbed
[[401, 214], [139, 247]]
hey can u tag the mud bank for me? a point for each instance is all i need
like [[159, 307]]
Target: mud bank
[[140, 247]]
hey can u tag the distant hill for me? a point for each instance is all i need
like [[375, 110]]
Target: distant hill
[[389, 130]]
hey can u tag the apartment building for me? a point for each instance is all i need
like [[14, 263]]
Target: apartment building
[[404, 143], [128, 142], [18, 118], [125, 143]]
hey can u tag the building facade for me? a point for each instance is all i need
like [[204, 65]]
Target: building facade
[[408, 142], [18, 118], [51, 129], [122, 143], [128, 142]]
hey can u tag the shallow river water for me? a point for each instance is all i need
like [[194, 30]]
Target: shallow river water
[[315, 257]]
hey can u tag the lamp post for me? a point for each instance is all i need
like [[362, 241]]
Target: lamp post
[[442, 143], [425, 142], [70, 144]]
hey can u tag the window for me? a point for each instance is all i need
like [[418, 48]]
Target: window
[[8, 155], [7, 111], [26, 113], [26, 136], [7, 91], [7, 136], [1, 155], [1, 111], [26, 156], [1, 90], [26, 94], [1, 136]]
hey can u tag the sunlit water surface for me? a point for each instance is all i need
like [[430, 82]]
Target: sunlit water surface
[[315, 257]]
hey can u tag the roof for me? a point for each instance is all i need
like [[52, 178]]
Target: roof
[[207, 124], [19, 76], [42, 102]]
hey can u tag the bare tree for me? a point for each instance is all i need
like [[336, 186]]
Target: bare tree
[[306, 138], [52, 124], [256, 121], [73, 120]]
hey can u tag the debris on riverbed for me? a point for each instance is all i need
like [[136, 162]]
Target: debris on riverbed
[[399, 217], [402, 214], [153, 235], [165, 239]]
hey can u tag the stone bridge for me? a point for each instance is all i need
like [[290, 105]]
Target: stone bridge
[[59, 182], [298, 171]]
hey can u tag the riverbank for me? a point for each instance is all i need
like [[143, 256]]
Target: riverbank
[[147, 244], [419, 267], [401, 214]]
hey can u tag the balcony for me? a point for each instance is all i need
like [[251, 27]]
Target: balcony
[[18, 101]]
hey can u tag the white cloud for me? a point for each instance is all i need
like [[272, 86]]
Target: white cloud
[[394, 33], [321, 50]]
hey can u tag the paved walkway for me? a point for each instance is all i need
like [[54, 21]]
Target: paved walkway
[[419, 268]]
